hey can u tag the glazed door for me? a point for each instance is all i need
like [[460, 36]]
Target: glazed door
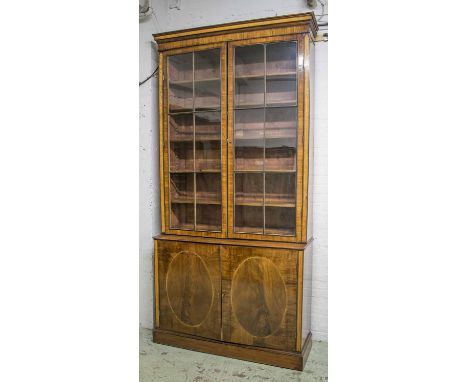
[[189, 282], [266, 78], [259, 290], [194, 142]]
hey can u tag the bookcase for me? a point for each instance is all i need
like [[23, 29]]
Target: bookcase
[[235, 154]]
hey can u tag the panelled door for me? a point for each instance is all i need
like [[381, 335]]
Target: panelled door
[[189, 286], [259, 296], [265, 124], [193, 141]]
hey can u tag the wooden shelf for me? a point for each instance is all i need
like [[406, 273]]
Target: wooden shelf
[[285, 74], [183, 83], [262, 106], [262, 171], [208, 201], [190, 171], [269, 202], [279, 231], [208, 227], [182, 201], [288, 74], [184, 227], [246, 229]]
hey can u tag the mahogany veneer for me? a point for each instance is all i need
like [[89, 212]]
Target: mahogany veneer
[[232, 265]]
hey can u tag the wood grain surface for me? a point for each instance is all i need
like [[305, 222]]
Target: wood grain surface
[[189, 288], [259, 289]]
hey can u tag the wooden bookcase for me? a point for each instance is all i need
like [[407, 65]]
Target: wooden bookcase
[[235, 153]]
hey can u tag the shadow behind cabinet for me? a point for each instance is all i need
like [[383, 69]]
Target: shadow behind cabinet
[[233, 262]]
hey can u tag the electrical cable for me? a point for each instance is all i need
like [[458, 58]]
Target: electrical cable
[[323, 10], [151, 75]]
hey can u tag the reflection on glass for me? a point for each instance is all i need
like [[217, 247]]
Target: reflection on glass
[[181, 127], [248, 219], [249, 154], [207, 64], [281, 57], [249, 189], [209, 188], [207, 79], [248, 124], [249, 92], [281, 122], [280, 221], [265, 138], [182, 199], [280, 154], [180, 69], [195, 140], [250, 61], [281, 90], [208, 141], [280, 189]]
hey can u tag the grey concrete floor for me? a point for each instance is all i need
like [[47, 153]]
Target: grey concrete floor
[[166, 363]]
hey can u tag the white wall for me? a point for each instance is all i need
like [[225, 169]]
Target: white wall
[[206, 12]]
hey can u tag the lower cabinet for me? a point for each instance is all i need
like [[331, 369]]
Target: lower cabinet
[[259, 292], [242, 295], [190, 288]]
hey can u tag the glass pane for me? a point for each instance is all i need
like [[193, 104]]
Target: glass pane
[[182, 216], [281, 58], [182, 201], [249, 189], [280, 154], [208, 217], [180, 69], [194, 83], [249, 154], [281, 122], [207, 64], [265, 138], [208, 188], [280, 189], [207, 94], [280, 220], [248, 124], [181, 127], [208, 141], [249, 92], [250, 61], [281, 90], [248, 219], [207, 82], [208, 202]]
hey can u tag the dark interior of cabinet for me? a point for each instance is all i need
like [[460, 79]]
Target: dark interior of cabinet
[[181, 156], [248, 219], [208, 188], [181, 127], [280, 154], [249, 189], [281, 122], [280, 220], [182, 216], [182, 188], [207, 64], [208, 217], [280, 189]]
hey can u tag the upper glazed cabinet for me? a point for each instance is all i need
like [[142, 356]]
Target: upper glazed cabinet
[[234, 136]]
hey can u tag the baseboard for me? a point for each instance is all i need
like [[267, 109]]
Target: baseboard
[[289, 360]]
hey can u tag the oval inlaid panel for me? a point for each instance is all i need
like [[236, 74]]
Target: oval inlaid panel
[[189, 288], [258, 296]]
